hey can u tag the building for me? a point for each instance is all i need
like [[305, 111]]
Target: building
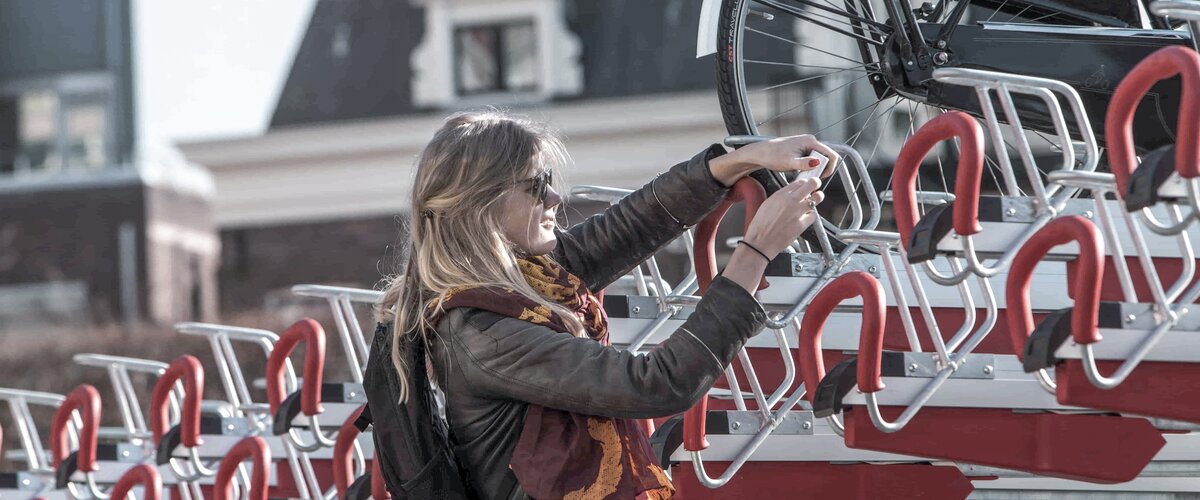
[[322, 195], [95, 230]]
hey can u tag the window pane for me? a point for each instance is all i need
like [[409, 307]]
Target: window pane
[[38, 126], [478, 68], [520, 57], [86, 133]]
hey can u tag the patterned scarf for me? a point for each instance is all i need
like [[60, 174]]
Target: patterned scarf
[[562, 454]]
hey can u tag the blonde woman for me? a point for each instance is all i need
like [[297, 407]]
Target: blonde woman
[[538, 404]]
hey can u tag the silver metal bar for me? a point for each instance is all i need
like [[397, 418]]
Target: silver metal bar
[[326, 292], [348, 346]]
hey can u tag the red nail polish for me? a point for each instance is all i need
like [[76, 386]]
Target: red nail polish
[[813, 163]]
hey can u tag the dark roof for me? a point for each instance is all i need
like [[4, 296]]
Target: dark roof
[[635, 47], [370, 80], [630, 47]]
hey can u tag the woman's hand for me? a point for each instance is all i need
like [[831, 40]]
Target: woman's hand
[[778, 222], [784, 215], [783, 154]]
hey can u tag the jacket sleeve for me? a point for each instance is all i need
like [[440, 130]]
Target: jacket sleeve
[[606, 246], [518, 360]]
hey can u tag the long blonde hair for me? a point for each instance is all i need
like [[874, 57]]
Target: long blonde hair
[[455, 235]]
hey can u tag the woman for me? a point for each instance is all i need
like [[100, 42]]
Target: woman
[[539, 406]]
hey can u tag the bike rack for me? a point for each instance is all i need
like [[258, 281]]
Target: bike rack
[[144, 475], [1163, 384], [348, 463], [1096, 448], [119, 368], [1162, 64], [341, 301], [964, 213], [302, 409], [694, 422], [255, 449]]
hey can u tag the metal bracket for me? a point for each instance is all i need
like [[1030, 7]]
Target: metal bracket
[[812, 265], [750, 422], [971, 366]]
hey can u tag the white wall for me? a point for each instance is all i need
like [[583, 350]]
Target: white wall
[[361, 169]]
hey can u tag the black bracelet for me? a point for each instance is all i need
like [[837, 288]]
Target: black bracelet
[[760, 252]]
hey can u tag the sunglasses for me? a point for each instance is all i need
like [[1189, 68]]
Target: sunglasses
[[538, 186]]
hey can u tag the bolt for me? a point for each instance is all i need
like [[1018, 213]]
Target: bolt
[[1130, 318], [912, 367], [229, 427], [124, 453], [908, 63], [876, 78], [941, 58], [1088, 214], [637, 309], [872, 269], [736, 425], [353, 395], [806, 425], [1010, 212], [987, 370], [941, 44], [25, 482]]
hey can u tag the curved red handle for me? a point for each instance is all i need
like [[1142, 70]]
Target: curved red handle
[[253, 448], [185, 368], [343, 466], [1118, 123], [86, 399], [704, 248], [970, 171], [142, 474], [870, 345], [310, 332], [1087, 283], [379, 489]]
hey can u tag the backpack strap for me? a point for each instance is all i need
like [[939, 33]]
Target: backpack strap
[[364, 419]]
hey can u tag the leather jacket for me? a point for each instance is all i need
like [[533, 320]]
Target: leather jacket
[[491, 367]]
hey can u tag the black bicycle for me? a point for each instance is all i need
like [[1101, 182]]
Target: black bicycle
[[861, 70]]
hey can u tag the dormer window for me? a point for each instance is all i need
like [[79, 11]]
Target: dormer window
[[477, 52], [496, 58]]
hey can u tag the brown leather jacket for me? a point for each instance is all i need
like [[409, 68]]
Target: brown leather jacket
[[491, 367]]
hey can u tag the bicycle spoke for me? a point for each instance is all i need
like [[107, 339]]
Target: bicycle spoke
[[1018, 14], [802, 80], [807, 17], [997, 11], [856, 113], [805, 103], [878, 26], [793, 42], [796, 65]]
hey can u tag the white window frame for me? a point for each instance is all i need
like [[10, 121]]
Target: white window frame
[[434, 82]]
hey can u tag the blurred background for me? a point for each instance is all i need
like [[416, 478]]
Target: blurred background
[[191, 161]]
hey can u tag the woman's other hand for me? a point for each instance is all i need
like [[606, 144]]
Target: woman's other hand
[[778, 222], [783, 154]]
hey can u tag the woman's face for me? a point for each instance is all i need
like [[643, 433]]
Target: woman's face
[[529, 210]]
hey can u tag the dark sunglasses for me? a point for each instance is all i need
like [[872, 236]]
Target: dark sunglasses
[[538, 186]]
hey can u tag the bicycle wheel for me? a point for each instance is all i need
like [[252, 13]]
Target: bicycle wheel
[[827, 67]]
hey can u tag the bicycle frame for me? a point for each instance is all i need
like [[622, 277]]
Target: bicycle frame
[[1092, 57]]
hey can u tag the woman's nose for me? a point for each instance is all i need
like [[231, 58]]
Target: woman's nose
[[552, 197]]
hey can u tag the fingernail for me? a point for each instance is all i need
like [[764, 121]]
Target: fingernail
[[813, 163]]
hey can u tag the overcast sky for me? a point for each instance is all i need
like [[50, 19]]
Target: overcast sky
[[214, 68]]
